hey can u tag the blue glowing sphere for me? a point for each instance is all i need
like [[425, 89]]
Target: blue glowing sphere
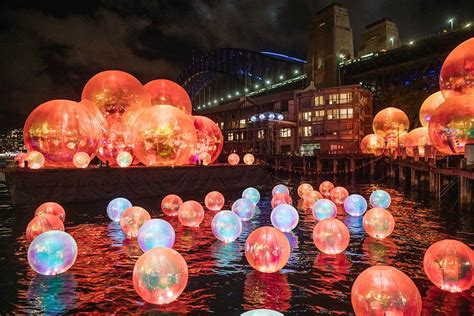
[[323, 209], [244, 208], [155, 233], [52, 252], [355, 205], [280, 188], [262, 312], [380, 198], [271, 116], [280, 117], [251, 194], [226, 226], [284, 217], [253, 118], [116, 207]]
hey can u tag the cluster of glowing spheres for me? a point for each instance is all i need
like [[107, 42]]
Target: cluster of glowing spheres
[[373, 144], [384, 290], [390, 123], [378, 223], [52, 208], [249, 159], [226, 226], [339, 195], [35, 159], [190, 214], [449, 264], [42, 223], [267, 249], [303, 189], [81, 159], [160, 275], [457, 74], [124, 159], [170, 204], [60, 128], [209, 141], [233, 159], [251, 194], [280, 188], [132, 219], [452, 125], [281, 198], [325, 188], [417, 138], [162, 91], [310, 198], [429, 106], [323, 209], [355, 205], [284, 217], [116, 207], [53, 252], [214, 201], [331, 236], [155, 233], [244, 208], [380, 198]]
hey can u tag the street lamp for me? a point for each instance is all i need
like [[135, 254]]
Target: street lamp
[[391, 40]]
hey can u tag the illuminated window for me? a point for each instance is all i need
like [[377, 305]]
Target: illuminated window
[[333, 98], [319, 115], [318, 101], [230, 137], [242, 135], [242, 123], [346, 113], [333, 114], [261, 134], [345, 97], [307, 132], [306, 116], [285, 132]]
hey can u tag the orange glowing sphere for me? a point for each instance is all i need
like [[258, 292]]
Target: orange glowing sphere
[[339, 195], [60, 128], [429, 106], [303, 189], [190, 214], [233, 159], [20, 159], [390, 123], [132, 219], [116, 137], [397, 142], [124, 159], [51, 208], [373, 144], [267, 249], [35, 159], [457, 73], [378, 223], [170, 204], [42, 223], [249, 159], [452, 125], [163, 135], [214, 201], [385, 290], [209, 140], [325, 188], [310, 198], [331, 236], [449, 264], [281, 198], [81, 159], [417, 138], [167, 92]]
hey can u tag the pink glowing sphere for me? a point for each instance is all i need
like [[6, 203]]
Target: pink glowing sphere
[[339, 195], [20, 159], [310, 198], [209, 140], [214, 201], [233, 159], [429, 106], [160, 275], [267, 249], [390, 123], [167, 92], [132, 220], [303, 189], [378, 223], [385, 290], [51, 208], [190, 214], [42, 223], [373, 144], [323, 209], [35, 159], [249, 159], [170, 204], [449, 264], [81, 160], [281, 198], [124, 159], [331, 236], [244, 208], [325, 188], [280, 188], [457, 74], [417, 138]]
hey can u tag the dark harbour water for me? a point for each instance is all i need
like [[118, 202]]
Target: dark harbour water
[[220, 280]]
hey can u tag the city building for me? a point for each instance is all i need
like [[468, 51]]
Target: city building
[[12, 141], [382, 35]]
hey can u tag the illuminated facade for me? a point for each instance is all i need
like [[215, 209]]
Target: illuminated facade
[[12, 141], [379, 36]]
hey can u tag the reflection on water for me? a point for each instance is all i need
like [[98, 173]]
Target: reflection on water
[[267, 290], [379, 251]]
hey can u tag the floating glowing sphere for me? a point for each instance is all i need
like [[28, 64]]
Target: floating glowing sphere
[[390, 123], [53, 252], [251, 194], [380, 198], [163, 136], [244, 208], [155, 233], [191, 214], [373, 144], [214, 201], [60, 128], [233, 159], [81, 160], [35, 159], [452, 125], [303, 189], [267, 249], [325, 188], [310, 198], [132, 219], [384, 290], [116, 207], [280, 188], [449, 264], [284, 217], [249, 159], [226, 226], [429, 106], [20, 159], [331, 236], [417, 138], [355, 205], [167, 92], [378, 223], [281, 198], [42, 223], [209, 141], [323, 209], [170, 204], [160, 275], [339, 195], [124, 159], [457, 74], [51, 208], [262, 312]]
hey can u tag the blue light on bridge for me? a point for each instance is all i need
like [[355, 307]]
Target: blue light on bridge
[[282, 56]]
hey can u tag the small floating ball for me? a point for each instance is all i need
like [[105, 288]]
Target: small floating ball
[[170, 204], [280, 188], [262, 312], [449, 264], [378, 223], [43, 223], [310, 198], [303, 189], [233, 159], [132, 219], [226, 226], [214, 201], [51, 208], [380, 198], [249, 159], [325, 188], [35, 160], [267, 249], [155, 233], [81, 159], [190, 214], [52, 252], [160, 275], [124, 159], [281, 198], [116, 207], [323, 209], [284, 217], [251, 194], [355, 205], [244, 208], [339, 195], [331, 236]]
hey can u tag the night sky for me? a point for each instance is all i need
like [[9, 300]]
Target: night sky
[[50, 49]]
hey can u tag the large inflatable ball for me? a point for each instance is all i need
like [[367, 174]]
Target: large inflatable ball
[[226, 226], [390, 123], [190, 214], [284, 217], [162, 91], [331, 236], [132, 219], [155, 233], [378, 223]]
